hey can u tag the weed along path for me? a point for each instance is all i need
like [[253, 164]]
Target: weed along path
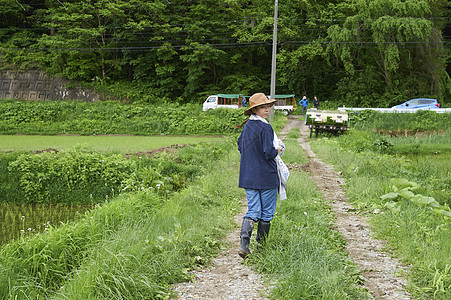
[[380, 271], [228, 278]]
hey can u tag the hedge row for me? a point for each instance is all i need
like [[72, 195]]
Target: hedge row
[[110, 117]]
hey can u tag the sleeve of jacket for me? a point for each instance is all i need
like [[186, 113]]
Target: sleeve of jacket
[[239, 143], [268, 143]]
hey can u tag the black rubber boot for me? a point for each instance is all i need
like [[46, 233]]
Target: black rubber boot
[[245, 237], [262, 231]]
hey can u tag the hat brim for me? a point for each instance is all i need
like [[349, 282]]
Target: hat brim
[[248, 111]]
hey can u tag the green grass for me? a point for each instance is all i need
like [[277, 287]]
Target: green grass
[[294, 152], [422, 145], [416, 233], [402, 123], [138, 244], [302, 252], [132, 247], [116, 143]]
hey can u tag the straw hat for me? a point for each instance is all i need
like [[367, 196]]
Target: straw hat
[[257, 100]]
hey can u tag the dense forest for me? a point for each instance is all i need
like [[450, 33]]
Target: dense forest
[[357, 52]]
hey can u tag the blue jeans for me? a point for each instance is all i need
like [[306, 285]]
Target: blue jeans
[[261, 204], [304, 110]]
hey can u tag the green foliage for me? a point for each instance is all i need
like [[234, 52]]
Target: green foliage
[[62, 178], [355, 52], [407, 198], [382, 145], [361, 118], [364, 89], [90, 177], [399, 31], [405, 189], [9, 182], [401, 123], [130, 92], [110, 117], [132, 247]]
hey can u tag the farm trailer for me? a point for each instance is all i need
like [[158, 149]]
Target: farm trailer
[[326, 121]]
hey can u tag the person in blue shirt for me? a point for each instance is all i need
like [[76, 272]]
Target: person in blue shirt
[[304, 104], [258, 171]]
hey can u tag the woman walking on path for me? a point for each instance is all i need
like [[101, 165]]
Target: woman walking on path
[[258, 171]]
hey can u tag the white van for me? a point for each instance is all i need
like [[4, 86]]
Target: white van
[[285, 103], [223, 100]]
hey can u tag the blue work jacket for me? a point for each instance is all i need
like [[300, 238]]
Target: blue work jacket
[[258, 169]]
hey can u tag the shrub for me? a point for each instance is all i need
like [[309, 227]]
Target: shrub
[[109, 117]]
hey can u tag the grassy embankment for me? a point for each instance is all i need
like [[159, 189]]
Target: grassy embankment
[[132, 247], [403, 184]]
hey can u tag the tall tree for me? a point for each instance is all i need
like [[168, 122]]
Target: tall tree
[[364, 52], [398, 37]]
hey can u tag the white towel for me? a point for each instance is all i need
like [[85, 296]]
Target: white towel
[[282, 169]]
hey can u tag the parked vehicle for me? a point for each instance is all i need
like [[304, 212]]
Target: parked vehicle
[[223, 100], [326, 121], [284, 103], [419, 103]]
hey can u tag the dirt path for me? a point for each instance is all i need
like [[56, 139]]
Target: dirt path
[[229, 278], [378, 268]]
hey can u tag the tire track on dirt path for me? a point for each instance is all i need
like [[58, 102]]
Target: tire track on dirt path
[[378, 268], [227, 277]]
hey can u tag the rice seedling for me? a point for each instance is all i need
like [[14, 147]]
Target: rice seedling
[[20, 220], [108, 143]]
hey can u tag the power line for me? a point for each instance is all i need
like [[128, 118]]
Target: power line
[[282, 22], [220, 45]]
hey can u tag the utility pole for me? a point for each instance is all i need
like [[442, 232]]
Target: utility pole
[[273, 64]]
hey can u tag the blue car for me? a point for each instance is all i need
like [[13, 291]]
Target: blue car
[[419, 103]]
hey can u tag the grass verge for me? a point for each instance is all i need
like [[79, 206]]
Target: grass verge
[[417, 233]]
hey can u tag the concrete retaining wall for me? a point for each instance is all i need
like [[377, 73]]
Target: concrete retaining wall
[[37, 85]]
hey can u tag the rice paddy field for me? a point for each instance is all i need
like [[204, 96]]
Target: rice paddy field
[[19, 217], [113, 143]]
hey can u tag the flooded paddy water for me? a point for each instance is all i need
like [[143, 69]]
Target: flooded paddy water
[[18, 220]]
